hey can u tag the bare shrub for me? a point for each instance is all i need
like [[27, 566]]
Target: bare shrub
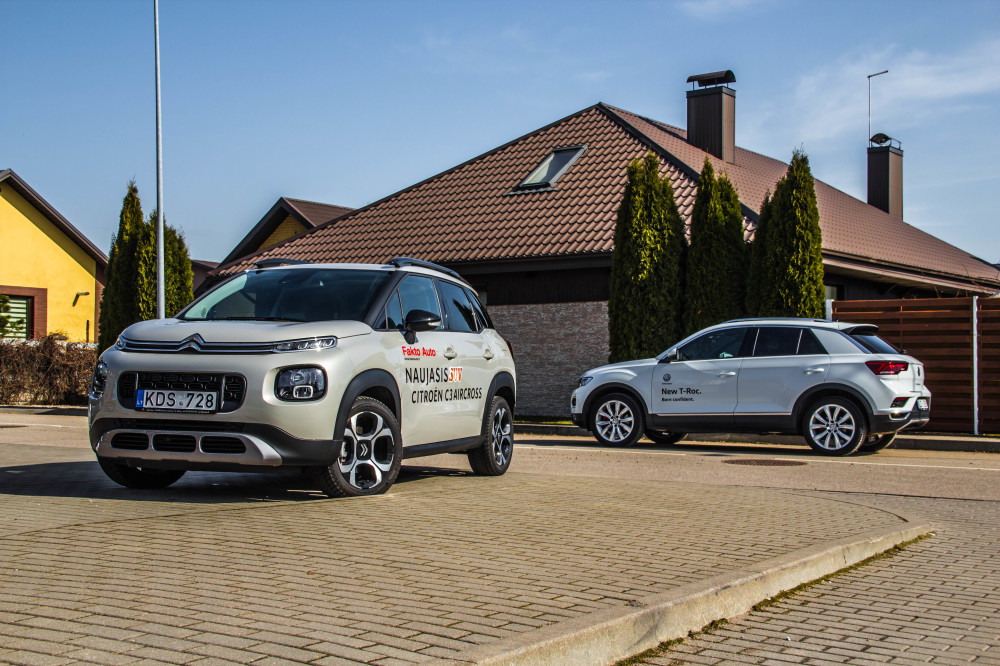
[[45, 372]]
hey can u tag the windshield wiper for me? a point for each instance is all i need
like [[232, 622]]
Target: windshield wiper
[[260, 319]]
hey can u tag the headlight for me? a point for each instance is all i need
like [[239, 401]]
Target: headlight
[[305, 345], [585, 380], [300, 384], [100, 379]]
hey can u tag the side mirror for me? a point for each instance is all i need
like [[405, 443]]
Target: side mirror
[[421, 320], [671, 356]]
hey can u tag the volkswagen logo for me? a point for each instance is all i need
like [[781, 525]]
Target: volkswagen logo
[[666, 378]]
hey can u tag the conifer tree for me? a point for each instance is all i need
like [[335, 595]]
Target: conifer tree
[[130, 294], [760, 269], [794, 247], [120, 303], [716, 258], [646, 266]]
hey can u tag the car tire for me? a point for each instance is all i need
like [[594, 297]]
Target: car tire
[[876, 442], [370, 454], [140, 478], [665, 438], [835, 426], [617, 420], [492, 457]]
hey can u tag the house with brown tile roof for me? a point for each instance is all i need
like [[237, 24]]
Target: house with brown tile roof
[[287, 217], [531, 225]]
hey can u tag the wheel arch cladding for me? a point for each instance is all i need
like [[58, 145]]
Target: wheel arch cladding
[[835, 390], [375, 383], [503, 386], [614, 387]]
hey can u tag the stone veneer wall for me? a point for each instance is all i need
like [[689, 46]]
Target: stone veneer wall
[[554, 343]]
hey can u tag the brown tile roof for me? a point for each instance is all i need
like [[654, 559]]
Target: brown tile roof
[[472, 213], [310, 213]]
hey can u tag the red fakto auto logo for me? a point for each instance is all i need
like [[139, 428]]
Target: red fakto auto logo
[[417, 352]]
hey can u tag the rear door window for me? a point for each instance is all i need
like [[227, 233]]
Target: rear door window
[[777, 341]]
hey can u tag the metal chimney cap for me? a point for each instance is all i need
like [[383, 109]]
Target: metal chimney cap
[[713, 78], [880, 139]]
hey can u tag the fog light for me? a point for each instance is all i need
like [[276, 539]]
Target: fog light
[[300, 384]]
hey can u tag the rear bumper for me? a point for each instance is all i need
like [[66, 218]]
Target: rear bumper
[[917, 418], [200, 445]]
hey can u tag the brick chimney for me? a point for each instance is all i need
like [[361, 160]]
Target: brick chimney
[[885, 174], [711, 122]]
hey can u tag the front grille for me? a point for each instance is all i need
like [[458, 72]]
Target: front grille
[[216, 444], [133, 441], [174, 443], [232, 388]]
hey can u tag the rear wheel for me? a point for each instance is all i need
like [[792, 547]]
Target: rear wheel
[[877, 442], [665, 438], [492, 457], [835, 426], [617, 420], [370, 454], [138, 477]]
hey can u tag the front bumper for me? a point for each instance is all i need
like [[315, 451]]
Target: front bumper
[[205, 445]]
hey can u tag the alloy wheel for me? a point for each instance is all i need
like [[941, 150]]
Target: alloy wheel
[[367, 451], [614, 421], [832, 427]]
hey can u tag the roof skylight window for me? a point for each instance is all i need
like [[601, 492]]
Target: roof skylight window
[[552, 167]]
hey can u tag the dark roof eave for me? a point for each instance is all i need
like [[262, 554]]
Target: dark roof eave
[[928, 277]]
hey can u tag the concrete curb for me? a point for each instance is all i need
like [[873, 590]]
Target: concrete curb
[[905, 440], [610, 635]]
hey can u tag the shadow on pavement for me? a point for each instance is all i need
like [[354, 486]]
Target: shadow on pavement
[[86, 480]]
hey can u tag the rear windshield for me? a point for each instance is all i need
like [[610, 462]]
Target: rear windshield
[[873, 343], [298, 294]]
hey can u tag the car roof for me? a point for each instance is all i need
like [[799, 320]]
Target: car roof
[[404, 264], [798, 321]]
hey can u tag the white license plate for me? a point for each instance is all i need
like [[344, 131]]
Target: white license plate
[[922, 404], [176, 401]]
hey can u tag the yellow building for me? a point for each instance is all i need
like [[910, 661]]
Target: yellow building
[[52, 273]]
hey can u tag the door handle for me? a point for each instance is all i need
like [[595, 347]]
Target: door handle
[[488, 354], [726, 374], [813, 371], [449, 353]]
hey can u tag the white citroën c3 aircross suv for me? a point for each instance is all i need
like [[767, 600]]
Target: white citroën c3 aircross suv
[[342, 369], [837, 384]]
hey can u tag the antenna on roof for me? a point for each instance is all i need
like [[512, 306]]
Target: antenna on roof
[[870, 77]]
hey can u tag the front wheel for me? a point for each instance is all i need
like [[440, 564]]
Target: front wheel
[[665, 438], [835, 426], [492, 457], [617, 420], [142, 478], [370, 455]]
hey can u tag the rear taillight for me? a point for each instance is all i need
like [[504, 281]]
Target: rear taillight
[[509, 347], [887, 367]]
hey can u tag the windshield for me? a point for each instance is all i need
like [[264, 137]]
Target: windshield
[[298, 294]]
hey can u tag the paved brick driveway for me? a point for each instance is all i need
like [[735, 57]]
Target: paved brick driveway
[[224, 568], [936, 602]]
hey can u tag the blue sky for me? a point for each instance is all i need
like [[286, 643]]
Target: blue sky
[[346, 102]]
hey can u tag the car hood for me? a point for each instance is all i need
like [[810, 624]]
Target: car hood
[[176, 330], [624, 365]]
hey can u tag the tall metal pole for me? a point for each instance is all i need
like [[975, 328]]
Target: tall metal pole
[[160, 289], [870, 77]]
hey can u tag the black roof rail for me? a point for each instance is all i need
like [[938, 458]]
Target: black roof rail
[[731, 321], [270, 262], [399, 262]]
